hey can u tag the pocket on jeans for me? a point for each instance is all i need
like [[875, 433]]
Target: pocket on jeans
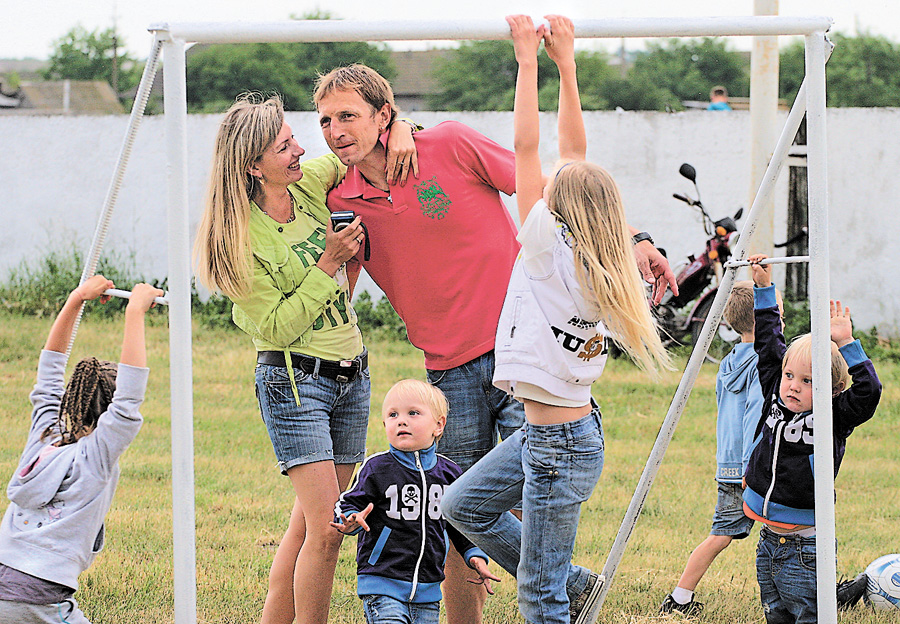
[[277, 383], [586, 469], [808, 556], [435, 377]]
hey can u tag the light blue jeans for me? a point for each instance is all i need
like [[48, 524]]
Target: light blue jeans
[[387, 610], [552, 470]]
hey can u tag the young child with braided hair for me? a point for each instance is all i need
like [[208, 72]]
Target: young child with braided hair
[[67, 475]]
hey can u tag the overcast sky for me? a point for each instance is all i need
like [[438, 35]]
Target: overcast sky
[[29, 28]]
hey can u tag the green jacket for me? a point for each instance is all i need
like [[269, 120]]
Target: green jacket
[[287, 297]]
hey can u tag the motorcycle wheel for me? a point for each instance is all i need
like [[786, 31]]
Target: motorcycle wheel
[[723, 340]]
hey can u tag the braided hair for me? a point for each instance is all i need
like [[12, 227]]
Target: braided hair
[[88, 394]]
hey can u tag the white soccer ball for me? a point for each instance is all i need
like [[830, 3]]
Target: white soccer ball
[[883, 589]]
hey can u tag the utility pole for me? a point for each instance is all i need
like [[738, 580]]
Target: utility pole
[[115, 51]]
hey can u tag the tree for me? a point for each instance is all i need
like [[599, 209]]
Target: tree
[[83, 55], [481, 76], [219, 73], [688, 68], [862, 71]]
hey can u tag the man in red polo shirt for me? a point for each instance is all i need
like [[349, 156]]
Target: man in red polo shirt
[[442, 249]]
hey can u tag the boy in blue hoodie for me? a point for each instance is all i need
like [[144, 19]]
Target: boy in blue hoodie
[[739, 400], [67, 475], [396, 499]]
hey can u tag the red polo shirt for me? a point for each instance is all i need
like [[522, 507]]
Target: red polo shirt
[[443, 245]]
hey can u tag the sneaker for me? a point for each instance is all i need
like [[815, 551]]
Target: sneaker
[[580, 608], [689, 608], [849, 592]]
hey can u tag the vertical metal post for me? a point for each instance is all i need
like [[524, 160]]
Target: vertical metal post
[[821, 327], [180, 364]]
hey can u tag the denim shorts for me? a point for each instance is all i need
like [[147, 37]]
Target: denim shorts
[[387, 610], [480, 413], [729, 518], [329, 425]]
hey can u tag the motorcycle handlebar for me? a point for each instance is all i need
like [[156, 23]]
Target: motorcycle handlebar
[[687, 200]]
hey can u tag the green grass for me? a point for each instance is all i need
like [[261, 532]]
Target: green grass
[[242, 502]]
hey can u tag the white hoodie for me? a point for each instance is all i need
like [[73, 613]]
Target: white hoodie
[[53, 527], [548, 335]]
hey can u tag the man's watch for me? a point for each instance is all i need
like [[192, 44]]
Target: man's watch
[[640, 237]]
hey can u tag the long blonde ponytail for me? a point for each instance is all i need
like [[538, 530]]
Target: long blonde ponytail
[[587, 199], [222, 248]]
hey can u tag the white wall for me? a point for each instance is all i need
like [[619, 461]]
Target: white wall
[[54, 173]]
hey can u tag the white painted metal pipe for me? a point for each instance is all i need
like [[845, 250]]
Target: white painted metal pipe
[[820, 326], [126, 294], [698, 355], [733, 264], [454, 30], [180, 363]]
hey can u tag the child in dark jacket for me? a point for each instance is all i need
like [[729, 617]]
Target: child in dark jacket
[[780, 477], [396, 499], [67, 475]]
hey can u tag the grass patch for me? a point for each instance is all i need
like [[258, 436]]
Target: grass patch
[[242, 502]]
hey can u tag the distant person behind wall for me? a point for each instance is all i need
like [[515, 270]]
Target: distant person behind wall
[[718, 99]]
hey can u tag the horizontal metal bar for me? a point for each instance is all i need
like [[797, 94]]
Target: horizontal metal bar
[[126, 294], [456, 30], [732, 264]]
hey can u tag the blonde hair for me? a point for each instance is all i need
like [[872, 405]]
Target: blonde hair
[[372, 87], [430, 395], [222, 248], [800, 351], [587, 199], [739, 308]]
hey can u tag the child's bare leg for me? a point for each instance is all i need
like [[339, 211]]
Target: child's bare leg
[[700, 560]]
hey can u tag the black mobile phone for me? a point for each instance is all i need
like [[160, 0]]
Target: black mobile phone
[[341, 219]]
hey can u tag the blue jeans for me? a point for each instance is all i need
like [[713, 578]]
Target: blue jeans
[[387, 610], [786, 573], [479, 412], [552, 470], [329, 424]]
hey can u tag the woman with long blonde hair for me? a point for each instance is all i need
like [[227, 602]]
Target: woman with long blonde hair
[[574, 288], [266, 241]]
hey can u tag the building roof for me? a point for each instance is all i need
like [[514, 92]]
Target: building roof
[[414, 71], [73, 97]]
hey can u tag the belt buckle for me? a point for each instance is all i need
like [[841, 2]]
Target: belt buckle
[[349, 375]]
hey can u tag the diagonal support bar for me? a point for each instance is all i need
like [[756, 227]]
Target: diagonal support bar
[[134, 121]]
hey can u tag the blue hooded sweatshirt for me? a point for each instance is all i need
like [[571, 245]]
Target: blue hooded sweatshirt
[[740, 401]]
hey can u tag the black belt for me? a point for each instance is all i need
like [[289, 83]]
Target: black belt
[[342, 370]]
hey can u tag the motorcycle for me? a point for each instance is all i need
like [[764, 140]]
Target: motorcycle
[[698, 278]]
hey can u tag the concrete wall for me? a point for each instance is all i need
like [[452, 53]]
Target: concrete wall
[[54, 174]]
